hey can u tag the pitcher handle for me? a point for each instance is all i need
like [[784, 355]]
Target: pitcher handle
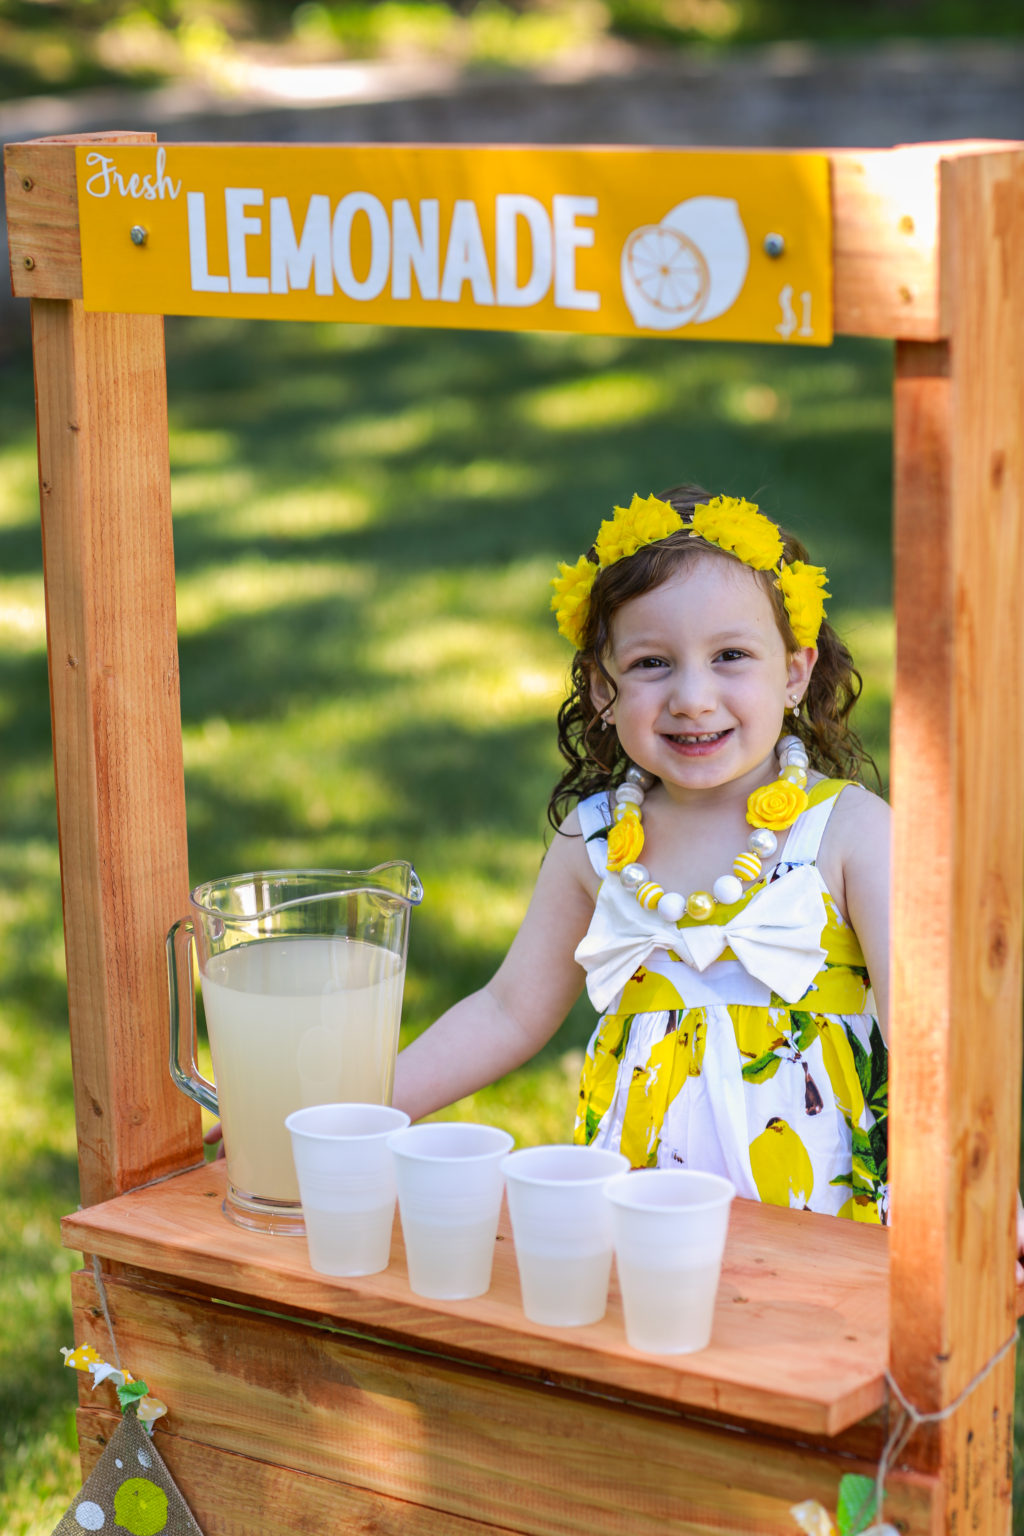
[[189, 1079]]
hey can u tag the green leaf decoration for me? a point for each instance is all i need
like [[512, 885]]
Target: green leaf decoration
[[805, 1029], [861, 1141], [878, 1136], [862, 1061], [130, 1393], [762, 1069], [856, 1503]]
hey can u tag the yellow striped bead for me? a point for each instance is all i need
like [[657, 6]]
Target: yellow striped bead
[[746, 866], [649, 894]]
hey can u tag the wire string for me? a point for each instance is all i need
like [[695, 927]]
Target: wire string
[[911, 1418]]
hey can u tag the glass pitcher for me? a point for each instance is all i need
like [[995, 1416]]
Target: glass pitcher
[[302, 973]]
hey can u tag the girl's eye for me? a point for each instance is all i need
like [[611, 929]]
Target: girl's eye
[[649, 661], [732, 655]]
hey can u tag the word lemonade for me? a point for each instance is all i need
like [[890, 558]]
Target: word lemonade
[[389, 244], [605, 241]]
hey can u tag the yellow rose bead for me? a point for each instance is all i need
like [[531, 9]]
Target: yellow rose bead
[[795, 774], [700, 905], [649, 894], [746, 866], [625, 843], [776, 805]]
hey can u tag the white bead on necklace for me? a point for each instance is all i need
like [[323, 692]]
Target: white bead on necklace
[[747, 865]]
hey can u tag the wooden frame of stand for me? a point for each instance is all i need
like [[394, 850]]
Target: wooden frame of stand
[[298, 1403]]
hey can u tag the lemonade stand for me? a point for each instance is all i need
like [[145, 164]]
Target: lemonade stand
[[298, 1403]]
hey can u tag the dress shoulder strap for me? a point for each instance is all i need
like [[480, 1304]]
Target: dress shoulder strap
[[805, 836], [595, 815]]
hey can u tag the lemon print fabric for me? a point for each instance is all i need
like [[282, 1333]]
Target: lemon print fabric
[[781, 1167], [710, 1070], [129, 1492]]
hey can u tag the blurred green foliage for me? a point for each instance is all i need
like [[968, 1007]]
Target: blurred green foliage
[[60, 45]]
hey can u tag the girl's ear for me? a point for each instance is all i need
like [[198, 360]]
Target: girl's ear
[[601, 695], [801, 665]]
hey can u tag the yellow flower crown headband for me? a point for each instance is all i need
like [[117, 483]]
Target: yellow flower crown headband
[[728, 522]]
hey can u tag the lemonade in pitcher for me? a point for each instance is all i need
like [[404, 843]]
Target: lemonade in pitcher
[[294, 1022]]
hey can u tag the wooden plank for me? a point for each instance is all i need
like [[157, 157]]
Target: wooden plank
[[958, 736], [796, 1288], [885, 219], [42, 213], [112, 641], [885, 208], [475, 1444], [885, 212], [238, 1495]]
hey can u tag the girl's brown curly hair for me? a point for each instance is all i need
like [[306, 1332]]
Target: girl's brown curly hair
[[595, 759]]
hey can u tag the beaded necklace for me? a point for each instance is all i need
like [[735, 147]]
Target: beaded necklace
[[770, 809]]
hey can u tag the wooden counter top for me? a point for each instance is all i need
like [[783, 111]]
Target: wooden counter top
[[801, 1324]]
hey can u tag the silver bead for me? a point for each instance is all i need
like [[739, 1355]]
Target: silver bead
[[631, 793], [763, 842], [633, 877], [727, 889], [639, 776], [786, 744], [672, 906]]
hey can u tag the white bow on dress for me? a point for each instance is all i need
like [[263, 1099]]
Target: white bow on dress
[[776, 937]]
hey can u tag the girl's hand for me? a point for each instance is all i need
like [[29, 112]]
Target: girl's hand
[[215, 1137]]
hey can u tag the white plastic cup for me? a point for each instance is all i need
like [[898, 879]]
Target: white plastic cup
[[562, 1226], [670, 1226], [346, 1184], [450, 1185]]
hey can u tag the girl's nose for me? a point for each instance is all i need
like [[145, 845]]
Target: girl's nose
[[693, 692]]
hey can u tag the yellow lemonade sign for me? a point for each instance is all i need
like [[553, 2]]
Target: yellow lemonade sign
[[702, 245]]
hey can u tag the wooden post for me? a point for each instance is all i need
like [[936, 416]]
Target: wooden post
[[958, 793], [112, 642]]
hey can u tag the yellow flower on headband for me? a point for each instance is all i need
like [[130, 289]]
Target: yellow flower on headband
[[570, 601], [729, 523], [740, 529], [804, 593], [644, 521]]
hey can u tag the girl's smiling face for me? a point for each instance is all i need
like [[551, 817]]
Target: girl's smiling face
[[703, 677]]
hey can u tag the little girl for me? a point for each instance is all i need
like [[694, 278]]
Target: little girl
[[720, 884]]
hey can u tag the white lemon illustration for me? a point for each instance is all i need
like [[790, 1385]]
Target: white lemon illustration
[[689, 268], [667, 272]]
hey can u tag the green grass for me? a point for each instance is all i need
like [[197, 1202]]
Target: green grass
[[366, 521]]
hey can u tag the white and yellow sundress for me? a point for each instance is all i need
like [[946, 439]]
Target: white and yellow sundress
[[712, 1069]]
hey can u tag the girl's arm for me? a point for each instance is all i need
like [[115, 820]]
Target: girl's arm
[[498, 1028], [861, 847]]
